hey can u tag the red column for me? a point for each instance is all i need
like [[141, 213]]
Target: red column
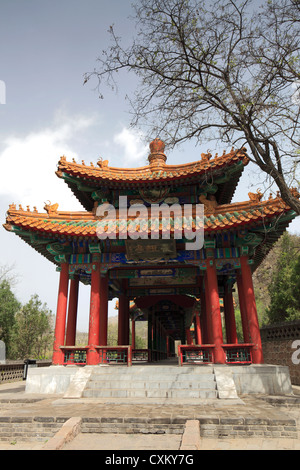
[[61, 313], [252, 319], [72, 312], [210, 339], [229, 316], [214, 312], [241, 293], [92, 354], [204, 320], [188, 336], [103, 320], [198, 336], [168, 346]]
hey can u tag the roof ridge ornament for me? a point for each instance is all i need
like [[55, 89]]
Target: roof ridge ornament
[[102, 163], [255, 197], [157, 157], [51, 208]]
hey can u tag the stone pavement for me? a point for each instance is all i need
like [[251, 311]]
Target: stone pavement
[[172, 442], [15, 403]]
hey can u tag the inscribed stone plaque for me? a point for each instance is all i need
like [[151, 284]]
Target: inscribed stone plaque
[[2, 352]]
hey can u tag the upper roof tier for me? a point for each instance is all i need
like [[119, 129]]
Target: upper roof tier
[[84, 179]]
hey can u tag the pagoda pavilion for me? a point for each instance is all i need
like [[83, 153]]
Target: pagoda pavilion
[[184, 294]]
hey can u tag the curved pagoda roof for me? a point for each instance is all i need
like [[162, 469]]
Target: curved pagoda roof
[[268, 218], [84, 179], [210, 181]]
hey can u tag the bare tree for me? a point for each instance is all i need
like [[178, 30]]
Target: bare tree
[[7, 274], [226, 69]]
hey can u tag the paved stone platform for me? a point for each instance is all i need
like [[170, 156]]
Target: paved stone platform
[[222, 424]]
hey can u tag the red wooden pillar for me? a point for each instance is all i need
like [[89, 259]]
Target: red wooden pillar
[[61, 313], [214, 312], [188, 336], [241, 294], [72, 312], [103, 315], [94, 320], [120, 320], [250, 304], [168, 346], [207, 303], [229, 316], [198, 336], [204, 320]]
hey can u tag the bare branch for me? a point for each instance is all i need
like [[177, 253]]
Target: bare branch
[[224, 66]]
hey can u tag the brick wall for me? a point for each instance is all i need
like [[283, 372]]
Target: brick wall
[[277, 341]]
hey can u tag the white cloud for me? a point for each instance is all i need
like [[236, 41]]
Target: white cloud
[[135, 152], [28, 164]]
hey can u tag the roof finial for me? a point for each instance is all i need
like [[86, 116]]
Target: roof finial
[[157, 156]]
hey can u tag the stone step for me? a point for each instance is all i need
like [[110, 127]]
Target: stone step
[[151, 381], [150, 370], [142, 384], [158, 393], [152, 378]]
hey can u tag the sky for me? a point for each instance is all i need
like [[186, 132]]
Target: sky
[[46, 111]]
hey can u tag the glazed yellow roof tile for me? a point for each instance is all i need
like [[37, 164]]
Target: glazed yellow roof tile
[[156, 171], [86, 223]]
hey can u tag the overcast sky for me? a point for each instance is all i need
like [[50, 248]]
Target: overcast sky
[[45, 49]]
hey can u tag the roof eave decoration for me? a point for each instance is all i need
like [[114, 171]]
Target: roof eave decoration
[[56, 223], [256, 223], [156, 171]]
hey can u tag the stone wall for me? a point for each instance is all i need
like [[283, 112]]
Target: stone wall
[[281, 346]]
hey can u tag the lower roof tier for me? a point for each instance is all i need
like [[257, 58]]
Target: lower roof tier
[[255, 223]]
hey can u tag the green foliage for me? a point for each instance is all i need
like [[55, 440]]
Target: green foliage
[[27, 330], [238, 323], [277, 284], [9, 306], [141, 336], [285, 283], [140, 333], [32, 332]]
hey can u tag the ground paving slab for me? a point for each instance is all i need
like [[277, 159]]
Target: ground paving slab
[[149, 424]]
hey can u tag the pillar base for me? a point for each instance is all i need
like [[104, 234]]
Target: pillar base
[[92, 357], [58, 358]]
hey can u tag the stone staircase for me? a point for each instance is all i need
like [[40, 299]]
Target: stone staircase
[[151, 381]]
